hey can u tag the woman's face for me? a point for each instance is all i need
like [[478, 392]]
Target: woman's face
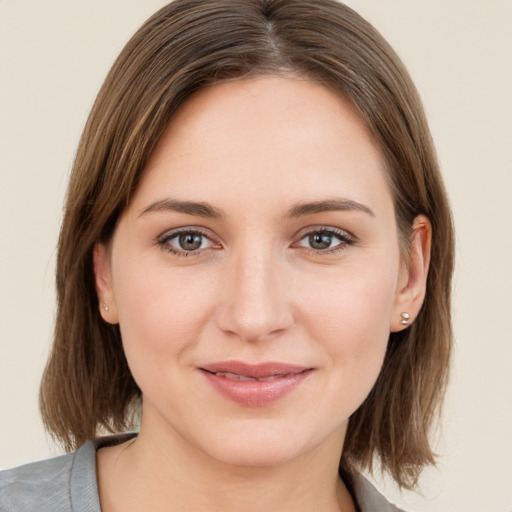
[[256, 274]]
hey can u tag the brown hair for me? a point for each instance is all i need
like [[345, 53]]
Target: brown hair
[[189, 45]]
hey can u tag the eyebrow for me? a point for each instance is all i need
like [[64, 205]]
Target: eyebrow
[[198, 209], [202, 209], [329, 205]]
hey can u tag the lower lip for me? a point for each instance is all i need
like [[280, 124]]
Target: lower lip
[[256, 393]]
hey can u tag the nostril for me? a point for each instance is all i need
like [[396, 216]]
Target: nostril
[[254, 301], [254, 325]]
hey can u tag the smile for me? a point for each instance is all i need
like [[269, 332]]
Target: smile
[[254, 385], [236, 376]]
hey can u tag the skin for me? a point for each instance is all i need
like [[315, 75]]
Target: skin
[[255, 291]]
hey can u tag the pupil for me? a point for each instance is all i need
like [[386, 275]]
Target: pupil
[[320, 240], [190, 241]]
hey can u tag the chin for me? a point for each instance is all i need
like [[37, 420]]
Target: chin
[[255, 454], [266, 446]]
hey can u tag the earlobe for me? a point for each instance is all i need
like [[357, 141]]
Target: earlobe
[[103, 282], [413, 277]]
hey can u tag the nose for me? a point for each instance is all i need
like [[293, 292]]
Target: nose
[[254, 304]]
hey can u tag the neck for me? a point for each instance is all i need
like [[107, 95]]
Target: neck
[[159, 470]]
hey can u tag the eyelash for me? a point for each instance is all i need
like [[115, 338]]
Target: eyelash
[[163, 242], [343, 237]]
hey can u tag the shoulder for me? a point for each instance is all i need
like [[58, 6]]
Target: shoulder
[[369, 499], [41, 485], [51, 485]]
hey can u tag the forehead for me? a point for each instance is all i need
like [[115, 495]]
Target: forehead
[[264, 136]]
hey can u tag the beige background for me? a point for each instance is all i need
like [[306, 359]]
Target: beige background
[[53, 57]]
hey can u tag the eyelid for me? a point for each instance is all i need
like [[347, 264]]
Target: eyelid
[[316, 228], [345, 237], [163, 239]]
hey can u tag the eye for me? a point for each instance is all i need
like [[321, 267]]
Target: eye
[[325, 240], [185, 242], [188, 241]]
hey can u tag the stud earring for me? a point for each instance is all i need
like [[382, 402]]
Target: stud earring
[[104, 306], [405, 318]]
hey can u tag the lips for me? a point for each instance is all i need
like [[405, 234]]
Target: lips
[[236, 376], [254, 385]]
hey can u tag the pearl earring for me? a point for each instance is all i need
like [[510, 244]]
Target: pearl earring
[[405, 318], [104, 306]]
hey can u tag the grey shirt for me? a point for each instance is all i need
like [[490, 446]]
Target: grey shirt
[[68, 484]]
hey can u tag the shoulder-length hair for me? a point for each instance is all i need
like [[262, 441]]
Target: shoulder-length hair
[[192, 44]]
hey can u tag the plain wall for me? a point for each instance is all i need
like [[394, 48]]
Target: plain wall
[[54, 55]]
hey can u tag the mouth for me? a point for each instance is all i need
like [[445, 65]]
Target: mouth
[[254, 385], [237, 376]]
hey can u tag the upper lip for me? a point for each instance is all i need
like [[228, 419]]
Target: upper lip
[[262, 370]]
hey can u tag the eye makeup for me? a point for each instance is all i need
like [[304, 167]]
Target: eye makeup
[[185, 242], [193, 241], [324, 240]]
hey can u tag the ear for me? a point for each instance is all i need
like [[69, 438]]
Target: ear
[[412, 282], [103, 281]]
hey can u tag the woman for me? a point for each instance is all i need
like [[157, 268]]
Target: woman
[[257, 249]]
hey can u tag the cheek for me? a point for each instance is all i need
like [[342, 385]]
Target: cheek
[[161, 313], [353, 306], [350, 322]]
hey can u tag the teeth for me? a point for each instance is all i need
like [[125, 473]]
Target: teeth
[[242, 377], [236, 376]]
